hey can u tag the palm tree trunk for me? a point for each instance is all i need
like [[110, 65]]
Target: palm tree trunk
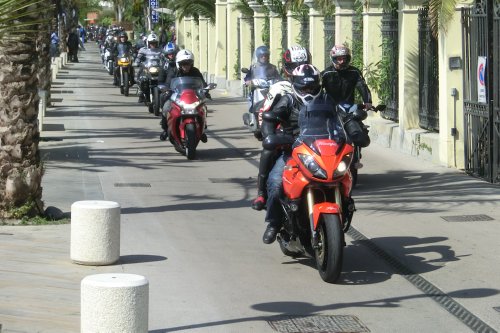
[[20, 166]]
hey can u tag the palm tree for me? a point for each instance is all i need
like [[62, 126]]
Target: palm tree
[[194, 8], [440, 13], [20, 167]]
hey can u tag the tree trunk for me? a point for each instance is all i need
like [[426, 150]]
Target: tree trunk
[[20, 167]]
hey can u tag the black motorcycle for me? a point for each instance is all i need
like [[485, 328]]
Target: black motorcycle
[[149, 79]]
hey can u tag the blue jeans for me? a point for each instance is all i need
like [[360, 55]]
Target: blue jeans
[[275, 214]]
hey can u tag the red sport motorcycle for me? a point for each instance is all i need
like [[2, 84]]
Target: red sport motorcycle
[[186, 119], [317, 185]]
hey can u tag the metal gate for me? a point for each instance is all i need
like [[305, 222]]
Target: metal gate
[[428, 73], [481, 55]]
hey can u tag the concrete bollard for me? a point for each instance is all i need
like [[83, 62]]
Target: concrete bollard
[[114, 303], [59, 62], [95, 232], [54, 69], [64, 56]]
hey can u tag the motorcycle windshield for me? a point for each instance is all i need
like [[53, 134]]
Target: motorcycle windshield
[[266, 73], [123, 50], [179, 84], [152, 62], [320, 121]]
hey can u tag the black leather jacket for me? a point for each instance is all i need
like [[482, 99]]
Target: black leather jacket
[[341, 84]]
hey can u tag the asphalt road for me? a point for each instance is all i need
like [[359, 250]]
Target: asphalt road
[[188, 228]]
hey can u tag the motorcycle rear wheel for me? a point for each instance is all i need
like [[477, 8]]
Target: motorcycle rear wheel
[[190, 131], [329, 254]]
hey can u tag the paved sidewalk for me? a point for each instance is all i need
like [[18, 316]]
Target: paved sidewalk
[[436, 227]]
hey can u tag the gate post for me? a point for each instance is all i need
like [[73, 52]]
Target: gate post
[[451, 134]]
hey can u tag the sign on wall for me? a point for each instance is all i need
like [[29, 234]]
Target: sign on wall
[[481, 80]]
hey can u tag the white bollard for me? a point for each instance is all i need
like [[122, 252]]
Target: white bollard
[[54, 69], [95, 232], [114, 303]]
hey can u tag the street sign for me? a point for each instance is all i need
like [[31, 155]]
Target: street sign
[[481, 79], [155, 17], [153, 4]]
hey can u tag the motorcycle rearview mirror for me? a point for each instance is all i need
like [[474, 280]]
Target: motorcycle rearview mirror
[[244, 70], [380, 107], [212, 86]]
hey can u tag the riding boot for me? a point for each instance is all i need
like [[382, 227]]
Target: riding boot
[[260, 202], [270, 233]]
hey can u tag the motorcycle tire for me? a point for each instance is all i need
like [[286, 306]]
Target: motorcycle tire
[[126, 84], [354, 174], [122, 91], [329, 254], [111, 70], [190, 132], [156, 101], [150, 108]]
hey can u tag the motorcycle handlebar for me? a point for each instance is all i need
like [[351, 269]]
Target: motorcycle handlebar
[[380, 107]]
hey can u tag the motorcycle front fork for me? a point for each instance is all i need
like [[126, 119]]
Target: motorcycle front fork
[[310, 208]]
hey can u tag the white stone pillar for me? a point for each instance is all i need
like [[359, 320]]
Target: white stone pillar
[[246, 41], [232, 40], [114, 303], [275, 34], [187, 34], [372, 37], [212, 52], [259, 20], [344, 12], [221, 43], [451, 113], [408, 65], [195, 42], [316, 33], [203, 42], [95, 232], [293, 28]]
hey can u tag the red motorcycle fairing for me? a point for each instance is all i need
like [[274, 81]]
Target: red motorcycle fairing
[[177, 122], [296, 176]]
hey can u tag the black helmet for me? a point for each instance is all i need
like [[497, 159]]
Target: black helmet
[[295, 56], [306, 83], [124, 35]]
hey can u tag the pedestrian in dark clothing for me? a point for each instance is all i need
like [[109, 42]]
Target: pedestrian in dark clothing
[[72, 43]]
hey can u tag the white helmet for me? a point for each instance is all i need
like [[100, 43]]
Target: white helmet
[[152, 38], [184, 56]]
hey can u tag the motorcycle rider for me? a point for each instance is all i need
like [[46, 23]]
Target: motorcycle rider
[[150, 51], [184, 67], [293, 57], [260, 65], [306, 89], [170, 51], [341, 79], [122, 47]]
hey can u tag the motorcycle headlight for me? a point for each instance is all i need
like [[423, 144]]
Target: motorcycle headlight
[[343, 166], [123, 61], [312, 166], [188, 108], [154, 70]]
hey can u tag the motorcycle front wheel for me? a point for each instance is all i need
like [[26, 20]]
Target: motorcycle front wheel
[[156, 101], [329, 253], [126, 85], [190, 132]]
